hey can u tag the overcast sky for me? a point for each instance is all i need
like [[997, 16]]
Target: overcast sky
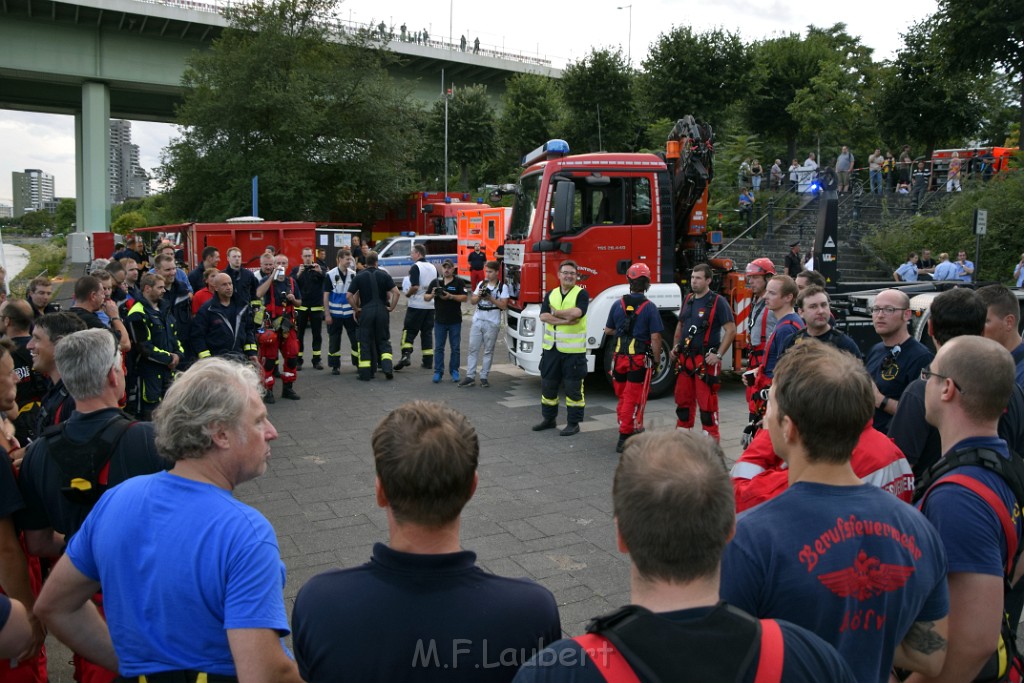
[[559, 31]]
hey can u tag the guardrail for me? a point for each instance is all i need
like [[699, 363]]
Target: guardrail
[[386, 34]]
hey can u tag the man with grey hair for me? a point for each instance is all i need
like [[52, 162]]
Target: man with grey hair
[[674, 516], [205, 562], [66, 470]]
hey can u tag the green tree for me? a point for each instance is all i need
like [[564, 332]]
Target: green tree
[[711, 68], [156, 209], [65, 216], [794, 77], [531, 109], [35, 222], [600, 108], [922, 101], [129, 221], [279, 97], [979, 35], [472, 134]]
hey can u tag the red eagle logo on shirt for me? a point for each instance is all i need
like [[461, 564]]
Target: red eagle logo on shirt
[[867, 578]]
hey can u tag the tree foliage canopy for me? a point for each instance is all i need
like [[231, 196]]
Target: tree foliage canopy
[[600, 109], [711, 68], [279, 96]]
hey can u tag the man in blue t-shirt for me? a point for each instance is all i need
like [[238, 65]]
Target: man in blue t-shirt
[[968, 386], [898, 359], [908, 271], [965, 268], [674, 515], [421, 609], [197, 590], [843, 558]]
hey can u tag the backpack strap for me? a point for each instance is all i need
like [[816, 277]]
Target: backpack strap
[[710, 322], [773, 653], [609, 661], [998, 507]]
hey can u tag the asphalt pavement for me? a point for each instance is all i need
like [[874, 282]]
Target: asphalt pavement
[[543, 507]]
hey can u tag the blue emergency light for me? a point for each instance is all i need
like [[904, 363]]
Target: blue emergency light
[[407, 233], [551, 149]]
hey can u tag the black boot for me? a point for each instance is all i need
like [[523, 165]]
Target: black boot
[[268, 397], [405, 361], [289, 392]]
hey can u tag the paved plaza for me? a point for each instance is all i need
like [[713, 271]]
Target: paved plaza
[[543, 507]]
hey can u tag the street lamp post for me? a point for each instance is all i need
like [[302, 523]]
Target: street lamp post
[[629, 46]]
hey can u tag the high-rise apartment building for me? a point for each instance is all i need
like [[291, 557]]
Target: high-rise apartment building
[[32, 190], [128, 180]]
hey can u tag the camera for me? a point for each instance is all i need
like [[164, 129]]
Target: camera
[[279, 273], [439, 291], [485, 293]]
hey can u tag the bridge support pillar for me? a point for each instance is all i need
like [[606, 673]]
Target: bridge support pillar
[[92, 154]]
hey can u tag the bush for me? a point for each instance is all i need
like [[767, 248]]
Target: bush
[[952, 229], [46, 258]]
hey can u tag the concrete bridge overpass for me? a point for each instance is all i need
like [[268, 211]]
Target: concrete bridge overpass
[[97, 59]]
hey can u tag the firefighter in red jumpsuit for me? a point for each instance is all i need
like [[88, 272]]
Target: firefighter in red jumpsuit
[[705, 332], [636, 326], [278, 334]]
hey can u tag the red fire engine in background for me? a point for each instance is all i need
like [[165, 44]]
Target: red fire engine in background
[[606, 211]]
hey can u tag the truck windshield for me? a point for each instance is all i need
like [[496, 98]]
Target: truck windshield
[[525, 206]]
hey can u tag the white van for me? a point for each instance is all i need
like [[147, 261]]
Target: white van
[[394, 254]]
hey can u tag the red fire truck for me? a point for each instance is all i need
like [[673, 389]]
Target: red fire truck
[[606, 211], [425, 213], [253, 236]]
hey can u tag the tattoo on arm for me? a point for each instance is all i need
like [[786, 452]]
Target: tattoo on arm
[[923, 638]]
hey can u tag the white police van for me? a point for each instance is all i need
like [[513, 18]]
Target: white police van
[[394, 254]]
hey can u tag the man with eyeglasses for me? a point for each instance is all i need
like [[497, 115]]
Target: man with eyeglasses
[[895, 361], [563, 364], [955, 313], [973, 507]]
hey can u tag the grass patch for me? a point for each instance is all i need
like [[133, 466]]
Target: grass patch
[[43, 258]]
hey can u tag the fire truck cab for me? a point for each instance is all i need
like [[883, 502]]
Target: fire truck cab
[[606, 211]]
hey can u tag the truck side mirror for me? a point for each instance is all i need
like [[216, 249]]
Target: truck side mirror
[[565, 200]]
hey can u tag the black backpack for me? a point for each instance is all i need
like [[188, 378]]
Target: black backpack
[[85, 467]]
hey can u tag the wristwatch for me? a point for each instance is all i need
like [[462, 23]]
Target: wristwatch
[[884, 403]]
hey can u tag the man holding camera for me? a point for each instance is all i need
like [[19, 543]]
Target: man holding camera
[[490, 298], [447, 292], [309, 275], [278, 293]]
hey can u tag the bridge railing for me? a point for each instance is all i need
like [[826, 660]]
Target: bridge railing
[[379, 31]]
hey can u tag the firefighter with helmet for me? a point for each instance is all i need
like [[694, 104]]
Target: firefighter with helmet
[[637, 328], [760, 322]]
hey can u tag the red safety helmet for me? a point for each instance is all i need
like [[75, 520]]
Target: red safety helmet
[[761, 266], [638, 270]]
